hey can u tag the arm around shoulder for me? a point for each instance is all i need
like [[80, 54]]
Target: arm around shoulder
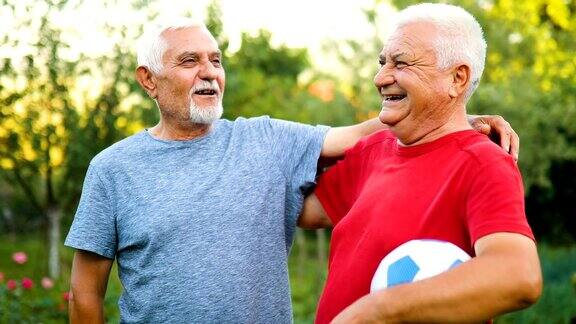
[[340, 139], [90, 273]]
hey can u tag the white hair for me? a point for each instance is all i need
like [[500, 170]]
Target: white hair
[[461, 38], [152, 45]]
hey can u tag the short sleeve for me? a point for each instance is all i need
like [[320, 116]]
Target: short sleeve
[[496, 200], [336, 189], [296, 149], [94, 225]]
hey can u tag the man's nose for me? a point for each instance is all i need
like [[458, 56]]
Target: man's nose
[[208, 71], [384, 77]]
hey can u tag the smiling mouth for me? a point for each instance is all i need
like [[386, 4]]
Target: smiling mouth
[[393, 98], [206, 92]]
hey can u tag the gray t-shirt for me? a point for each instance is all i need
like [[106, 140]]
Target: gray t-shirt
[[201, 229]]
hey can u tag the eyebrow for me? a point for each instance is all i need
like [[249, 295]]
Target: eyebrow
[[394, 57], [187, 54], [397, 55], [195, 55]]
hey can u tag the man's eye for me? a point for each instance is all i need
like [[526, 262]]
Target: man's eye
[[401, 64], [382, 62]]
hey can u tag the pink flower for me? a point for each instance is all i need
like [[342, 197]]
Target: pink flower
[[66, 296], [27, 283], [47, 283], [11, 284], [20, 257], [1, 277]]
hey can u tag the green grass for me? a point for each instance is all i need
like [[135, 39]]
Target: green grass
[[307, 272]]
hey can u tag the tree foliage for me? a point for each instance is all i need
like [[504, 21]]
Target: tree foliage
[[529, 78], [58, 110], [262, 79], [57, 113]]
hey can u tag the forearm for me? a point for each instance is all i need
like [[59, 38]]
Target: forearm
[[339, 139], [86, 308], [475, 291], [88, 283]]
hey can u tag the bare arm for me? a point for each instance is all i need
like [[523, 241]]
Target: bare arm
[[313, 214], [89, 280], [339, 139], [505, 276]]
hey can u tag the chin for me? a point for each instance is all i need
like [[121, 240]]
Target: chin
[[389, 118], [205, 115]]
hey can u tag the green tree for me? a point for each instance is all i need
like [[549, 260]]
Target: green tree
[[529, 78], [50, 127], [262, 79]]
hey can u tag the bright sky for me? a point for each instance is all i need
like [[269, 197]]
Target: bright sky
[[302, 23], [296, 23]]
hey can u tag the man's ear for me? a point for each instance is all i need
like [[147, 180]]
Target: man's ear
[[461, 78], [147, 81]]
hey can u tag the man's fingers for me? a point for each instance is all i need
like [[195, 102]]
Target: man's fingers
[[505, 139], [504, 131], [496, 125], [483, 128], [515, 145]]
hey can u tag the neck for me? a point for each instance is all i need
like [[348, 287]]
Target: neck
[[453, 123], [177, 132]]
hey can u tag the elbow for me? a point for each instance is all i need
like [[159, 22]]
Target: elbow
[[528, 288], [532, 289]]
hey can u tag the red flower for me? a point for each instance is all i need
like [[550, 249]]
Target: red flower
[[66, 296], [27, 283], [11, 284], [20, 257]]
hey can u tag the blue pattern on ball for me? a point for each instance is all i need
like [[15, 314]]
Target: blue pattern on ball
[[402, 271], [457, 262]]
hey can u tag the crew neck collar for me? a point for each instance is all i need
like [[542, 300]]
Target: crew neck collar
[[198, 139], [424, 148]]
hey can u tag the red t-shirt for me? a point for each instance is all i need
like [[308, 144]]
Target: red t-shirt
[[457, 188]]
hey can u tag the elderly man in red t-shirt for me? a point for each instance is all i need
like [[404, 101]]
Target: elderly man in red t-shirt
[[429, 177]]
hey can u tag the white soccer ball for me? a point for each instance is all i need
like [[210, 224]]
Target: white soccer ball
[[416, 260]]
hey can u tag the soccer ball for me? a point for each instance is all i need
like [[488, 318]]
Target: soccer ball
[[416, 260]]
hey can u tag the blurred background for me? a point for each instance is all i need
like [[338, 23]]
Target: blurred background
[[67, 91]]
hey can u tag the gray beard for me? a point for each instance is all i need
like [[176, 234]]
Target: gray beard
[[205, 115]]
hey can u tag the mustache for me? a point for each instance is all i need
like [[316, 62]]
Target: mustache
[[204, 85]]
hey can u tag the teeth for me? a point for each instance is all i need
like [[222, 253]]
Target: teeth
[[205, 91], [394, 97]]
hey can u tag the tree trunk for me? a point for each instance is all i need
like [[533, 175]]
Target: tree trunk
[[54, 217], [9, 220]]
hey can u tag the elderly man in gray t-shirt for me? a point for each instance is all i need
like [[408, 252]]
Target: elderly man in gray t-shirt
[[199, 212]]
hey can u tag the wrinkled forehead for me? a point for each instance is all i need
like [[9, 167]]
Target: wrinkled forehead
[[189, 39], [416, 37]]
